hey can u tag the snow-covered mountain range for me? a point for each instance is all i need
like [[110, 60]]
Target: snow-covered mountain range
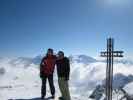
[[19, 77]]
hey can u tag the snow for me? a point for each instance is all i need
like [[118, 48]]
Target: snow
[[129, 88], [21, 78]]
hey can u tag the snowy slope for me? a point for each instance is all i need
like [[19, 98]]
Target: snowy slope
[[129, 88], [18, 80], [19, 77]]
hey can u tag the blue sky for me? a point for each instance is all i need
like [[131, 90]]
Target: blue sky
[[29, 27]]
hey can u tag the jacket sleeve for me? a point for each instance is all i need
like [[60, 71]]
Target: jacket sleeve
[[42, 64], [67, 69]]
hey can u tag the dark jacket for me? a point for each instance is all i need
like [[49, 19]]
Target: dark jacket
[[47, 65], [63, 68]]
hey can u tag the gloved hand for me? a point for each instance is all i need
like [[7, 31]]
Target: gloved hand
[[41, 75]]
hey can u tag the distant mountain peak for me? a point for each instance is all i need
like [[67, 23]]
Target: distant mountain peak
[[82, 59]]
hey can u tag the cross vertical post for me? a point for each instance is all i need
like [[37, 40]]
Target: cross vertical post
[[110, 54]]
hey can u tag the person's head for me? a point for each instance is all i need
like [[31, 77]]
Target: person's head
[[50, 52], [60, 55]]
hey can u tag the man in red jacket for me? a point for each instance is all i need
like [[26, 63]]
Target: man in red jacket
[[47, 67]]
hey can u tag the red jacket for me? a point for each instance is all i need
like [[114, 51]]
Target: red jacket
[[48, 65]]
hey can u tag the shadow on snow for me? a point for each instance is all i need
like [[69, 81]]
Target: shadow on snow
[[49, 98]]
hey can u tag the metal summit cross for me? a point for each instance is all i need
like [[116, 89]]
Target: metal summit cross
[[110, 54]]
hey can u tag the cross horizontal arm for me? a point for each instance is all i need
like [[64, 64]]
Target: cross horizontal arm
[[115, 54]]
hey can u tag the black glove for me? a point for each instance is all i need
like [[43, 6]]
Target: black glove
[[41, 75]]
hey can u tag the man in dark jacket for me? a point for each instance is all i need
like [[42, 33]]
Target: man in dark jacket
[[47, 67], [63, 70]]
